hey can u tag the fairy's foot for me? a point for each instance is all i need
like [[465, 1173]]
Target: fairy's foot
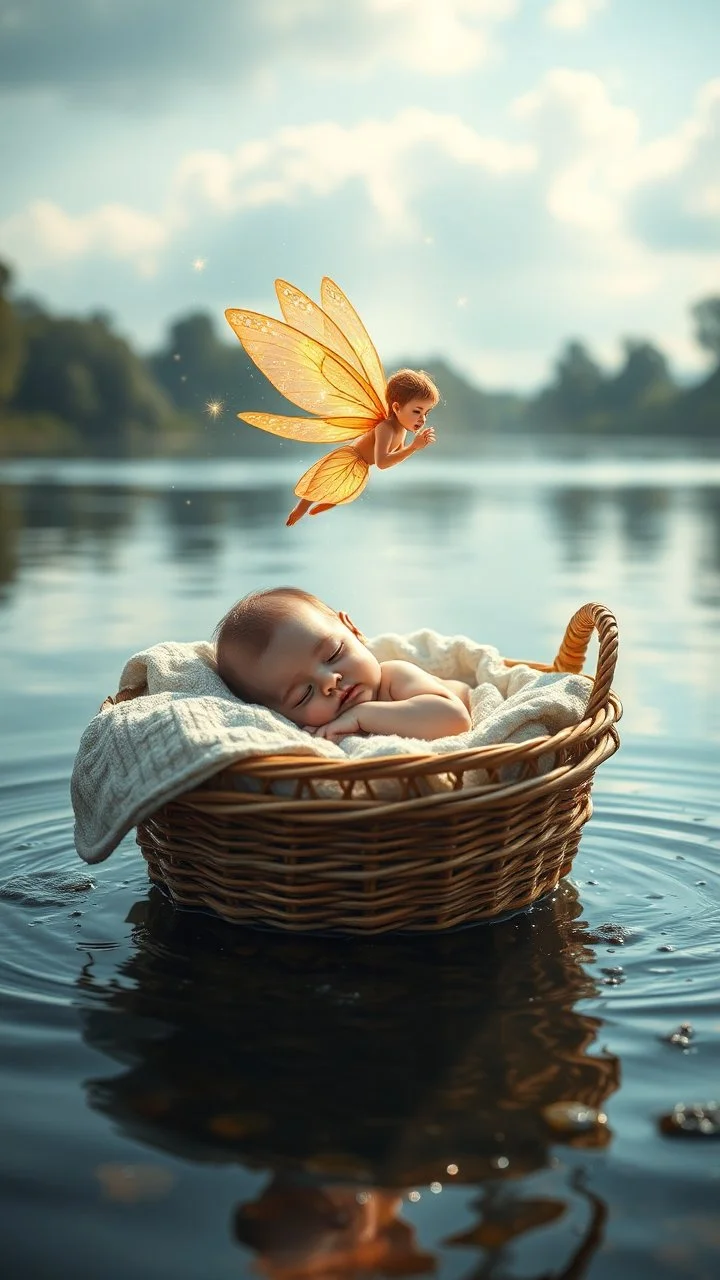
[[297, 512], [321, 506]]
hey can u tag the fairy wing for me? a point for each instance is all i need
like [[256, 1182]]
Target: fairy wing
[[311, 430], [304, 370], [342, 312], [339, 477], [300, 312]]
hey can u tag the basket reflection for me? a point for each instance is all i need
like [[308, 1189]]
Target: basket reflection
[[379, 1063]]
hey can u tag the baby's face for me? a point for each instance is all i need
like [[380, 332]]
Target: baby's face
[[313, 668], [413, 415]]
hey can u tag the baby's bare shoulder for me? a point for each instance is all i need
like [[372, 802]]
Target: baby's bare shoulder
[[402, 679]]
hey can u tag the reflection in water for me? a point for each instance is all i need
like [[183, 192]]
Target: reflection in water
[[505, 1216], [643, 518], [350, 1068], [201, 519], [467, 550], [10, 525], [45, 523], [433, 511], [575, 515], [99, 514], [298, 1229], [710, 551], [578, 515]]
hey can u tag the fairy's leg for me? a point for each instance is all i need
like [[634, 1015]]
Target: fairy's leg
[[298, 511], [337, 478]]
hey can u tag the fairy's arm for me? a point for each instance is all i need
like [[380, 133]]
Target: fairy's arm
[[386, 457]]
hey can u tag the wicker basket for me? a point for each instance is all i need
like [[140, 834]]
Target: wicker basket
[[414, 859]]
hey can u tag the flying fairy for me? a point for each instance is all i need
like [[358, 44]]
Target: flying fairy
[[321, 358]]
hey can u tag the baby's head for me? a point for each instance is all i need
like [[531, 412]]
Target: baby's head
[[411, 394], [290, 652]]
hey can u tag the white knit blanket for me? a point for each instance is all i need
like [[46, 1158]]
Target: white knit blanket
[[136, 755]]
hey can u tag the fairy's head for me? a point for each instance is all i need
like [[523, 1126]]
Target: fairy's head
[[411, 394]]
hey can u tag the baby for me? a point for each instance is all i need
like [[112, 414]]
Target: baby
[[294, 654]]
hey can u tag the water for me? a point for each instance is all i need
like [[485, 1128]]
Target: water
[[182, 1097]]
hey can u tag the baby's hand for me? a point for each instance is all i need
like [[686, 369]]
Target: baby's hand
[[339, 728], [425, 437]]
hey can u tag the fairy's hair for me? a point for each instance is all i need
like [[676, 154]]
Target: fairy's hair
[[249, 626], [410, 384]]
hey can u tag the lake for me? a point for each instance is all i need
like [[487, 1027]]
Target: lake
[[182, 1097]]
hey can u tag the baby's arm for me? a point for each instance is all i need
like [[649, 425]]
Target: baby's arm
[[413, 704], [385, 457]]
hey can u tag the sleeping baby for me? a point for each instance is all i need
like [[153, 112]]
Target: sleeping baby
[[288, 651]]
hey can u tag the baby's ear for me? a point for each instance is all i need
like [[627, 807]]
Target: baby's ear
[[348, 622]]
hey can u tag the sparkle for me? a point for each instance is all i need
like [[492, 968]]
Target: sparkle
[[462, 301], [414, 1196], [199, 264], [452, 1170], [214, 408], [500, 1162], [436, 1188]]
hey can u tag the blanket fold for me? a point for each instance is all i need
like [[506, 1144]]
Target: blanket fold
[[136, 755]]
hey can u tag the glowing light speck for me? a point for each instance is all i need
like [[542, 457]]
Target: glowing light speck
[[199, 264], [214, 408]]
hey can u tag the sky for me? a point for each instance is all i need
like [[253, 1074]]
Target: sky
[[484, 178]]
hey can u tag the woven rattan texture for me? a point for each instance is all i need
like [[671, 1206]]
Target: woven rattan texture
[[378, 850]]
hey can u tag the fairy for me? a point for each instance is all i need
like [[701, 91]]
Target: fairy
[[322, 359]]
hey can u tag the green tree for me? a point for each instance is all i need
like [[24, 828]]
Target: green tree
[[706, 315], [196, 369], [698, 409], [575, 393], [643, 381], [12, 341], [87, 376]]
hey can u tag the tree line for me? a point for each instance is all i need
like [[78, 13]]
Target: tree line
[[74, 386]]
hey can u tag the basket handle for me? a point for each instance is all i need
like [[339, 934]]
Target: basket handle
[[571, 654]]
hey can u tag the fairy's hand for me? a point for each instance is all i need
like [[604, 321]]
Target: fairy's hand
[[347, 722], [425, 437]]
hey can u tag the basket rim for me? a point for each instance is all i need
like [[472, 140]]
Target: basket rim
[[264, 766]]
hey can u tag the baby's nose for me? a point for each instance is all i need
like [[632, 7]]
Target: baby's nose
[[332, 681]]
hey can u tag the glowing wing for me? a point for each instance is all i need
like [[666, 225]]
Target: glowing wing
[[343, 313], [302, 313], [339, 477], [311, 430], [304, 370]]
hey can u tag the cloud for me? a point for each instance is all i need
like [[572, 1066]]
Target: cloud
[[45, 233], [604, 178], [570, 15], [128, 53], [391, 159], [676, 201], [540, 231], [441, 37], [588, 144]]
